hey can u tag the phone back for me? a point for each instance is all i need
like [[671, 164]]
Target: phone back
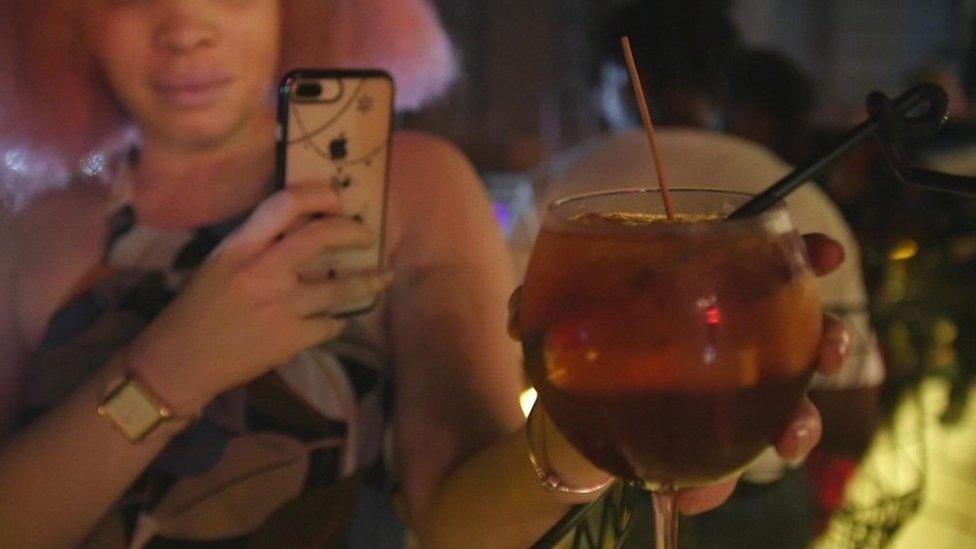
[[335, 126]]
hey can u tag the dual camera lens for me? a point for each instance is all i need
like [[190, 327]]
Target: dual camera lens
[[308, 90], [319, 90]]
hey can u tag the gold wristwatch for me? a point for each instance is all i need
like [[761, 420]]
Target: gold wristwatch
[[133, 408]]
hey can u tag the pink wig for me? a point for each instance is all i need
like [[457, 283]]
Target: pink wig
[[56, 116], [404, 37]]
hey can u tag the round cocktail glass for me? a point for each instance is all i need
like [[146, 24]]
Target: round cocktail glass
[[670, 354]]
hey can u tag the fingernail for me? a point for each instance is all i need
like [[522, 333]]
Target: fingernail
[[803, 435], [842, 341], [838, 346]]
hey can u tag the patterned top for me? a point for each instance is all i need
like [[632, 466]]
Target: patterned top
[[278, 462]]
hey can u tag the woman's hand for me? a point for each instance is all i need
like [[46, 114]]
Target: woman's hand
[[803, 433], [252, 305]]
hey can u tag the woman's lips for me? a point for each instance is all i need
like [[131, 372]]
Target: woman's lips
[[191, 92]]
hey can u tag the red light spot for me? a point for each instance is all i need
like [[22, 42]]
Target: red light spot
[[713, 316]]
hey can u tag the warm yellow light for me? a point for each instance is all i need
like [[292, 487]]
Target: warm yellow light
[[904, 249], [527, 399]]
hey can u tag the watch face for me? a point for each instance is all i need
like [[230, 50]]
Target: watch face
[[132, 411]]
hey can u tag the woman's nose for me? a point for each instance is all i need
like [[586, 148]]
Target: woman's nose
[[184, 26]]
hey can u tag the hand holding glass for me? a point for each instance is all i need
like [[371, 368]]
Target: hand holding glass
[[670, 354]]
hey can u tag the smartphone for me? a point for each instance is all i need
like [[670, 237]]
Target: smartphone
[[335, 126]]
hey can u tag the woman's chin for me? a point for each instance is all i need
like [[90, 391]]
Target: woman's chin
[[200, 131]]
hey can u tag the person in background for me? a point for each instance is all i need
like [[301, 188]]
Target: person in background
[[771, 102], [694, 47]]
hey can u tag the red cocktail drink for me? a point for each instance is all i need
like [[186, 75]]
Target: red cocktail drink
[[669, 353]]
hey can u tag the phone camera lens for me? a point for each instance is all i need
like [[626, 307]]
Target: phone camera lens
[[308, 90]]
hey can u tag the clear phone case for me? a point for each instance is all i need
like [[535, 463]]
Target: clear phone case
[[335, 126]]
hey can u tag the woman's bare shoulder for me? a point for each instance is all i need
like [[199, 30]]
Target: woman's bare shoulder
[[60, 220], [45, 247], [431, 175], [439, 208], [417, 154]]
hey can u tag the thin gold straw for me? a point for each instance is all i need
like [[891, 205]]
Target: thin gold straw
[[648, 126]]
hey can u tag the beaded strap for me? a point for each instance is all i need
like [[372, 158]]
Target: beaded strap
[[549, 479]]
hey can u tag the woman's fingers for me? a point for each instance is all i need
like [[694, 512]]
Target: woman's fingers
[[825, 253], [320, 329], [835, 344], [319, 295], [802, 434], [301, 246], [282, 211], [698, 500], [316, 299]]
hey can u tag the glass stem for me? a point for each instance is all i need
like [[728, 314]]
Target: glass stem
[[666, 517]]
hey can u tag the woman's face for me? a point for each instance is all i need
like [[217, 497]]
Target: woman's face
[[192, 73]]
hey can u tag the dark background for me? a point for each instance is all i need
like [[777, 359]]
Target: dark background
[[525, 63]]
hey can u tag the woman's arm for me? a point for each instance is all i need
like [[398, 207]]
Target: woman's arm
[[461, 446], [460, 438], [61, 474]]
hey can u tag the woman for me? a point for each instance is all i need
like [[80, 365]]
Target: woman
[[107, 283]]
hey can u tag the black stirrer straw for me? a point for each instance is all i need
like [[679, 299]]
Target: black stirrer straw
[[892, 122]]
